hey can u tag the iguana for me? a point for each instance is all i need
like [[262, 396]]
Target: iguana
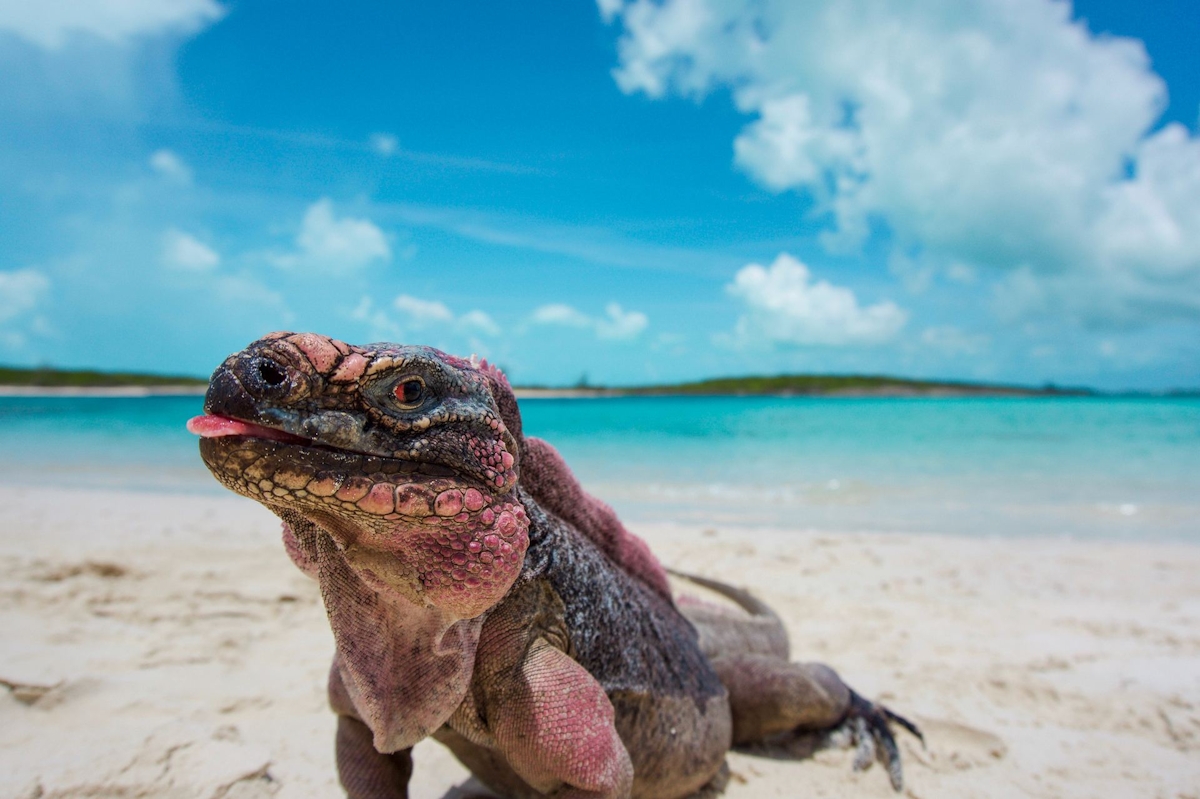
[[478, 595]]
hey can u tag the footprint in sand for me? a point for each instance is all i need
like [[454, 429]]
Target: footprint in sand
[[88, 568], [954, 747], [28, 693], [48, 694]]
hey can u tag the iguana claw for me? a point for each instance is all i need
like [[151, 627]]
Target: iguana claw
[[867, 729]]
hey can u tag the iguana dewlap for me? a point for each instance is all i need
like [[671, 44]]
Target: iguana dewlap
[[477, 594]]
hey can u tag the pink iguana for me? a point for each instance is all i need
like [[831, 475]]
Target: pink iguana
[[479, 595]]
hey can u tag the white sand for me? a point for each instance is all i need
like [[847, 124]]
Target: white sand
[[157, 645]]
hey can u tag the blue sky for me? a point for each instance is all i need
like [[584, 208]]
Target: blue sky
[[635, 191]]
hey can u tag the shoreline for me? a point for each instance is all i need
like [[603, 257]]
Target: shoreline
[[122, 633], [881, 393]]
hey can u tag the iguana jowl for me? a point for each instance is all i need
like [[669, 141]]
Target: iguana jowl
[[477, 594]]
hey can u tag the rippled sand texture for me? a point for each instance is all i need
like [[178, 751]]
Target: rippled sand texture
[[161, 645]]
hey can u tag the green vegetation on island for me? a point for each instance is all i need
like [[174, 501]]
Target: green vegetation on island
[[49, 377], [816, 385]]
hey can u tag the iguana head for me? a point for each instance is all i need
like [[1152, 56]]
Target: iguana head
[[401, 454]]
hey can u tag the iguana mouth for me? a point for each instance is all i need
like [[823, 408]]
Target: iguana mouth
[[211, 425], [216, 426]]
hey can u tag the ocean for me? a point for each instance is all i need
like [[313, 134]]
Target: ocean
[[1088, 468]]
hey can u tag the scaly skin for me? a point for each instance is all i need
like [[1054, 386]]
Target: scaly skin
[[477, 594]]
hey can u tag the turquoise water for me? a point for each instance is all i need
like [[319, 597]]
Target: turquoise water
[[1087, 468]]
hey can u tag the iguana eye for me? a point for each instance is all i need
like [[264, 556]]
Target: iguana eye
[[410, 392]]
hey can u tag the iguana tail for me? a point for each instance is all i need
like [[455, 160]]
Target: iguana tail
[[760, 631], [743, 598]]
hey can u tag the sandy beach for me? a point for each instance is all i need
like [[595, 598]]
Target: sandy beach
[[163, 645]]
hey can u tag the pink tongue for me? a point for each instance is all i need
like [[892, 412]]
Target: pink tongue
[[210, 426]]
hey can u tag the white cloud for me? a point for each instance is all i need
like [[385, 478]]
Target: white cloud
[[171, 167], [421, 313], [417, 314], [997, 134], [784, 306], [20, 291], [182, 251], [615, 324], [335, 244], [384, 143], [381, 327], [51, 24]]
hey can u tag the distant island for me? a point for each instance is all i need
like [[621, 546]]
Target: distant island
[[47, 380], [810, 386]]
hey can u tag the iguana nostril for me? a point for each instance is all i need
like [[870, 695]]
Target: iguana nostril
[[271, 373]]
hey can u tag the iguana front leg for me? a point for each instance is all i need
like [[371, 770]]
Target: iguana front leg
[[364, 771], [554, 726]]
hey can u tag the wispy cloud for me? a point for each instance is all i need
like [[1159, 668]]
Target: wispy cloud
[[560, 314], [479, 322], [384, 143], [376, 144], [600, 246], [422, 313], [951, 340], [171, 166], [21, 291], [417, 316], [418, 313]]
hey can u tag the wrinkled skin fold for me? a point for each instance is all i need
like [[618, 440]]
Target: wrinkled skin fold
[[478, 595]]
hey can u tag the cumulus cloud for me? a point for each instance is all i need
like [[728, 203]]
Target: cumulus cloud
[[183, 251], [616, 324], [330, 243], [171, 167], [999, 134], [783, 305], [52, 24], [20, 291]]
